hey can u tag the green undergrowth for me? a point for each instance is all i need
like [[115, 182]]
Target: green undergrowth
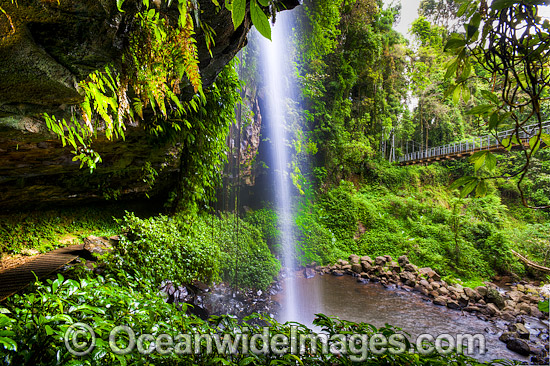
[[36, 329], [207, 248], [46, 230], [411, 210]]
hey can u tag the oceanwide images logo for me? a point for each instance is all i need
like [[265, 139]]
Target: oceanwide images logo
[[80, 340]]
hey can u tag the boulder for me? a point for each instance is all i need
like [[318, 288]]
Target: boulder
[[515, 295], [380, 261], [410, 268], [493, 310], [463, 300], [366, 266], [367, 259], [508, 316], [520, 330], [429, 273], [452, 304], [309, 272], [388, 258], [394, 267], [408, 278], [337, 273], [443, 290], [472, 294], [493, 296], [403, 260], [506, 336], [354, 259], [518, 346], [97, 245], [425, 284], [536, 312], [525, 307], [482, 290], [357, 268], [472, 309], [440, 300]]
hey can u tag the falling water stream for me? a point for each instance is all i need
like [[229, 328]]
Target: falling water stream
[[276, 65]]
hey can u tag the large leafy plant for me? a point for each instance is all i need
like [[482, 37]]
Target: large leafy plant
[[510, 42]]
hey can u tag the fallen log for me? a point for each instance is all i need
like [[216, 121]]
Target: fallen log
[[530, 263]]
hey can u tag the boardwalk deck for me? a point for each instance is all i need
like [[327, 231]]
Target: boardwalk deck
[[461, 149], [15, 279]]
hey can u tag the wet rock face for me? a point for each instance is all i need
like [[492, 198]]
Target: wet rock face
[[36, 171], [221, 299], [46, 48]]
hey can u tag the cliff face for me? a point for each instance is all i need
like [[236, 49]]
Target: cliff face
[[46, 47]]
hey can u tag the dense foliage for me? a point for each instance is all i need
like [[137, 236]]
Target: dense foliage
[[184, 248], [35, 325], [411, 211], [48, 229]]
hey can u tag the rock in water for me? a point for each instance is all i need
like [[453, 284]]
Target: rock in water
[[518, 346], [309, 273]]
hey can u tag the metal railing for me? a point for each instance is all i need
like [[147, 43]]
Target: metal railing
[[478, 144]]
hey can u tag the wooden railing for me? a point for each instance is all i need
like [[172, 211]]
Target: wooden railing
[[483, 143]]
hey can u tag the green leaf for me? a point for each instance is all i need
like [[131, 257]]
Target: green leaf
[[451, 69], [238, 11], [456, 41], [481, 189], [544, 306], [466, 72], [49, 330], [461, 181], [264, 2], [490, 161], [466, 94], [119, 5], [494, 121], [215, 2], [534, 144], [546, 139], [468, 188], [480, 109], [478, 159], [259, 19], [492, 97], [456, 94], [501, 4], [462, 9], [8, 343]]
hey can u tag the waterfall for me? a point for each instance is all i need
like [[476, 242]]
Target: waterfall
[[279, 85]]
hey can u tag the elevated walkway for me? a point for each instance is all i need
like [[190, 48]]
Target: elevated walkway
[[462, 149]]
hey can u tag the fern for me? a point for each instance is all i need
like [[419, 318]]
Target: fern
[[158, 57]]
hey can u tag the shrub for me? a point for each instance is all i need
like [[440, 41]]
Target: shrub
[[205, 248], [171, 248], [266, 221]]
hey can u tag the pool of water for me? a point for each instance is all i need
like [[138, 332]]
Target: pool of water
[[347, 299]]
